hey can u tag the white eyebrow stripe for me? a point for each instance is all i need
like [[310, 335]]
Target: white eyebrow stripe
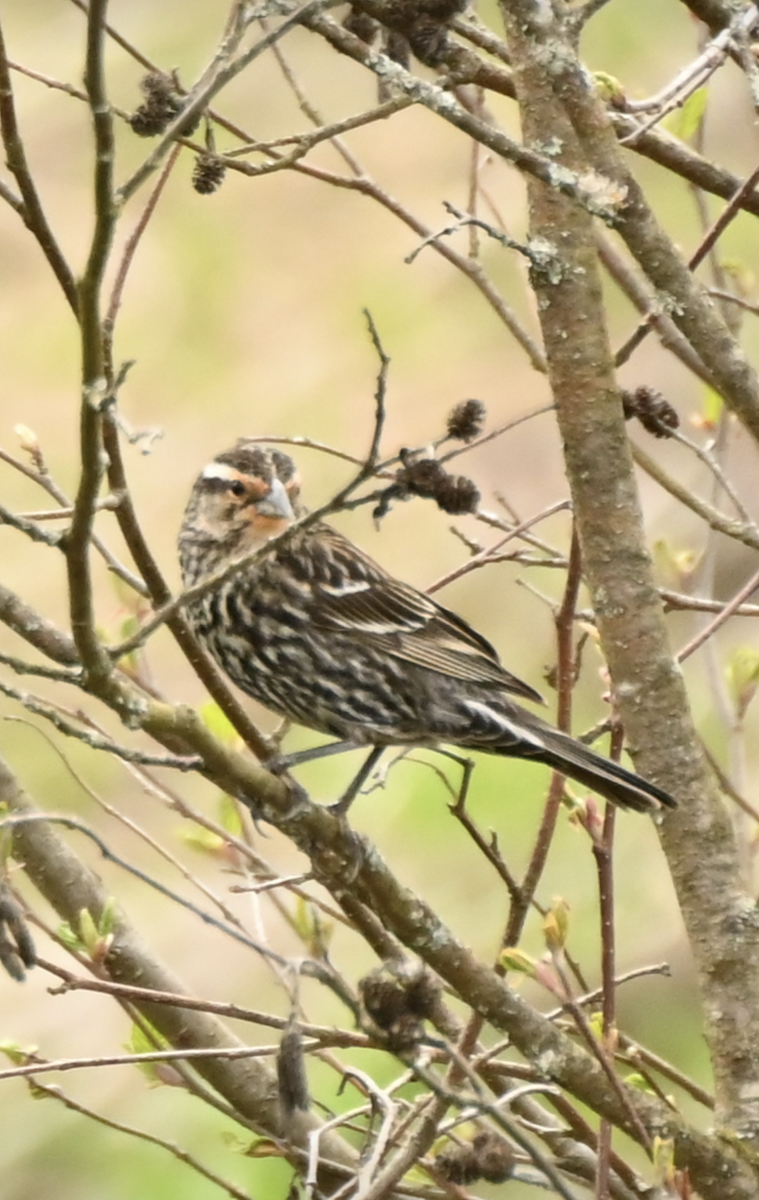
[[216, 470]]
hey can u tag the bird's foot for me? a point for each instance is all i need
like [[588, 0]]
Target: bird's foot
[[341, 806]]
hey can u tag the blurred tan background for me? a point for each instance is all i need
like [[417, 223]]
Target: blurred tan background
[[243, 313]]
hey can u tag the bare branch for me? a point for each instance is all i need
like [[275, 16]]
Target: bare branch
[[30, 208]]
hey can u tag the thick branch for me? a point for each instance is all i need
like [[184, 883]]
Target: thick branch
[[249, 1085], [40, 633], [686, 299], [721, 920]]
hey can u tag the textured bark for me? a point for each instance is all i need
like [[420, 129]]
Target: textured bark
[[721, 919], [248, 1085]]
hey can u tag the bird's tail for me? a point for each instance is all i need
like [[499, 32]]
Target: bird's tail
[[608, 778]]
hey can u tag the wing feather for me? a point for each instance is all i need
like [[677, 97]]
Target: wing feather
[[396, 618]]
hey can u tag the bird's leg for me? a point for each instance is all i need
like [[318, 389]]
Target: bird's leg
[[282, 762], [341, 806], [279, 763], [467, 767]]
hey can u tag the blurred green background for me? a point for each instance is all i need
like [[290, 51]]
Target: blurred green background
[[243, 313]]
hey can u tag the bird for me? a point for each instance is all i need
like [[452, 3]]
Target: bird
[[320, 633]]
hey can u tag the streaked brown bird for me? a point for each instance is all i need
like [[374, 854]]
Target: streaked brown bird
[[320, 633]]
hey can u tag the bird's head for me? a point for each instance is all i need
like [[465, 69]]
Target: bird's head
[[241, 499]]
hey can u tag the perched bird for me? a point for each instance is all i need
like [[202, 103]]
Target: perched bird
[[320, 633]]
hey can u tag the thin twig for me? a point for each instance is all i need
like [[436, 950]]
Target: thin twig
[[601, 1056], [710, 461], [142, 1135], [130, 250], [565, 670], [108, 854], [739, 530], [303, 142], [722, 616], [217, 75], [326, 1035], [44, 479], [32, 212], [22, 667], [379, 397], [603, 853], [94, 384], [95, 741], [681, 602], [490, 554], [481, 1106], [30, 528], [727, 215], [132, 825], [126, 1060]]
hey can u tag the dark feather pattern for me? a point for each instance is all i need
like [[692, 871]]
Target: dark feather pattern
[[320, 633]]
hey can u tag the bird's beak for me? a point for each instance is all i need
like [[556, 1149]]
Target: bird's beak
[[276, 503]]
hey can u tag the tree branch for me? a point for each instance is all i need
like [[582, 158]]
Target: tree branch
[[649, 688]]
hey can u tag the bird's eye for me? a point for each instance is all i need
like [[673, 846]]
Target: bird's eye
[[237, 488]]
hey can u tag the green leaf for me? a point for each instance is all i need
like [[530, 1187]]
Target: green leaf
[[145, 1038], [743, 676], [88, 931], [105, 924], [596, 1022], [68, 937], [218, 724], [229, 815], [664, 1160], [556, 924], [235, 1143], [264, 1148], [513, 959], [635, 1080], [203, 840], [6, 843], [676, 566], [609, 86], [146, 1041], [96, 939], [711, 410], [311, 927], [13, 1050], [742, 278], [686, 122], [302, 918]]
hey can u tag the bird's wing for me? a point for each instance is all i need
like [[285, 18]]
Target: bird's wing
[[352, 593]]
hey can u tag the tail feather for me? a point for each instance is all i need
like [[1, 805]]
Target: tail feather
[[502, 727], [608, 778]]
